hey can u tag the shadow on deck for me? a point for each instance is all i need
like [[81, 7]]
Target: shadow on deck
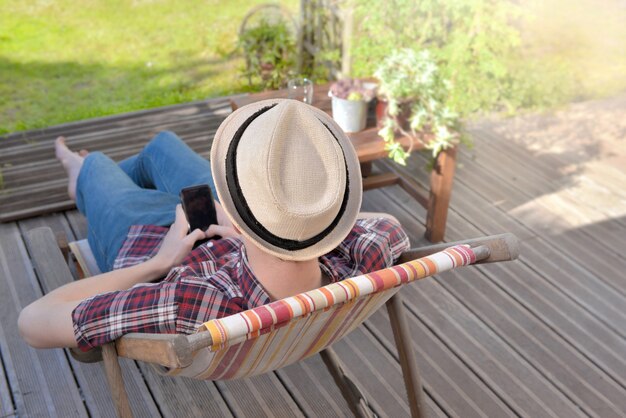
[[542, 336]]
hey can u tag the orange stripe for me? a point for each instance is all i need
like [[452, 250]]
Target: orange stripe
[[218, 334], [330, 298], [390, 279], [305, 306], [432, 267], [254, 320]]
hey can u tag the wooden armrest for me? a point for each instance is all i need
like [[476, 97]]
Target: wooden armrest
[[169, 350], [92, 356], [503, 247]]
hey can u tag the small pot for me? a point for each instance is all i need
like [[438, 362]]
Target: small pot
[[350, 115], [403, 117]]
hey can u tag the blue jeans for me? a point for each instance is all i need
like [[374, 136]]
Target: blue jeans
[[141, 190]]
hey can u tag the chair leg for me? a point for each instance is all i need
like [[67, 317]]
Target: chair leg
[[351, 393], [116, 381], [408, 363]]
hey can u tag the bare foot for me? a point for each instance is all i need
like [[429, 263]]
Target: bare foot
[[72, 162]]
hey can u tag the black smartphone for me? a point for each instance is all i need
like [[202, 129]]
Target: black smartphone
[[199, 208]]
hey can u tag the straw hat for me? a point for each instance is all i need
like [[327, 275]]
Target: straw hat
[[288, 177]]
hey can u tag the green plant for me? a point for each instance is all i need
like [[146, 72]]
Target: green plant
[[414, 89], [471, 41], [269, 50]]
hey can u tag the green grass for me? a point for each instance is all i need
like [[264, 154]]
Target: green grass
[[571, 50], [63, 60], [67, 60]]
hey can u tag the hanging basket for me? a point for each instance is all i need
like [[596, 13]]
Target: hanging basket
[[268, 12]]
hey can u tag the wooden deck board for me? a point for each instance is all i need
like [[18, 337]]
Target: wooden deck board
[[7, 408], [259, 396], [91, 376], [543, 336], [586, 258], [491, 359], [526, 204], [580, 258], [313, 388], [537, 180], [478, 211], [589, 293], [585, 177], [185, 397], [44, 383]]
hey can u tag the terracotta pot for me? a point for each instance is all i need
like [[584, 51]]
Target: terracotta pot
[[403, 117]]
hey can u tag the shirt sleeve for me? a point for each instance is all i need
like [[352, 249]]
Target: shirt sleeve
[[161, 308], [395, 240], [376, 243]]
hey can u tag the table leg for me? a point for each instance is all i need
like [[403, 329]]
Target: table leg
[[441, 180], [366, 169]]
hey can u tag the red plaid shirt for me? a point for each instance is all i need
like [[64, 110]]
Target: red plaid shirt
[[213, 281]]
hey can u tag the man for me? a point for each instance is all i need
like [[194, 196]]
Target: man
[[289, 189]]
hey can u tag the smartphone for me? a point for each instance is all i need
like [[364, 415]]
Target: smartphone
[[199, 208]]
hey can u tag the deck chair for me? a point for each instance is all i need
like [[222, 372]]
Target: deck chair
[[282, 332]]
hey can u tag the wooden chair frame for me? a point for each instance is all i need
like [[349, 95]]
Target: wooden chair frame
[[176, 350]]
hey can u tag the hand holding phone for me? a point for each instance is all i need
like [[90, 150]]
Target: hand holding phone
[[199, 208], [177, 243]]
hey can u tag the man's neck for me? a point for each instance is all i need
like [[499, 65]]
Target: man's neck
[[282, 278]]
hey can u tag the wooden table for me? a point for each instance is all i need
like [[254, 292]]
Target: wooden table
[[371, 147]]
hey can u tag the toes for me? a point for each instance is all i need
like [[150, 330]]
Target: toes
[[83, 153], [60, 147]]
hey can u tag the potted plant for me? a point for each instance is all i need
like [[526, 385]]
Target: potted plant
[[269, 50], [349, 99], [412, 101]]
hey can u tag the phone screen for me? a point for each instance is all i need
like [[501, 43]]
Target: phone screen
[[199, 207]]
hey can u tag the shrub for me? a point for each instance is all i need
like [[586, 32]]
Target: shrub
[[269, 50], [471, 40]]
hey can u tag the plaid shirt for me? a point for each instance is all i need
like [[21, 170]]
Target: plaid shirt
[[213, 281]]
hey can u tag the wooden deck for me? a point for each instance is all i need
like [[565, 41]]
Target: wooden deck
[[541, 336]]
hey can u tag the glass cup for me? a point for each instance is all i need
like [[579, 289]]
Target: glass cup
[[300, 89]]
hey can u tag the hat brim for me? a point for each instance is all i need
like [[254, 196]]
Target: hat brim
[[223, 137]]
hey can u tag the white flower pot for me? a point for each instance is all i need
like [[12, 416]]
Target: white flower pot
[[351, 115]]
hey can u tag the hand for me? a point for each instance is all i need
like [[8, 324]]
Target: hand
[[177, 244], [223, 231]]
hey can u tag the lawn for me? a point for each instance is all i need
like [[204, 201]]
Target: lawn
[[68, 60], [64, 60], [573, 50]]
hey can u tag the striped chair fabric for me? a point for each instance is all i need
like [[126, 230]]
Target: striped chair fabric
[[285, 331]]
